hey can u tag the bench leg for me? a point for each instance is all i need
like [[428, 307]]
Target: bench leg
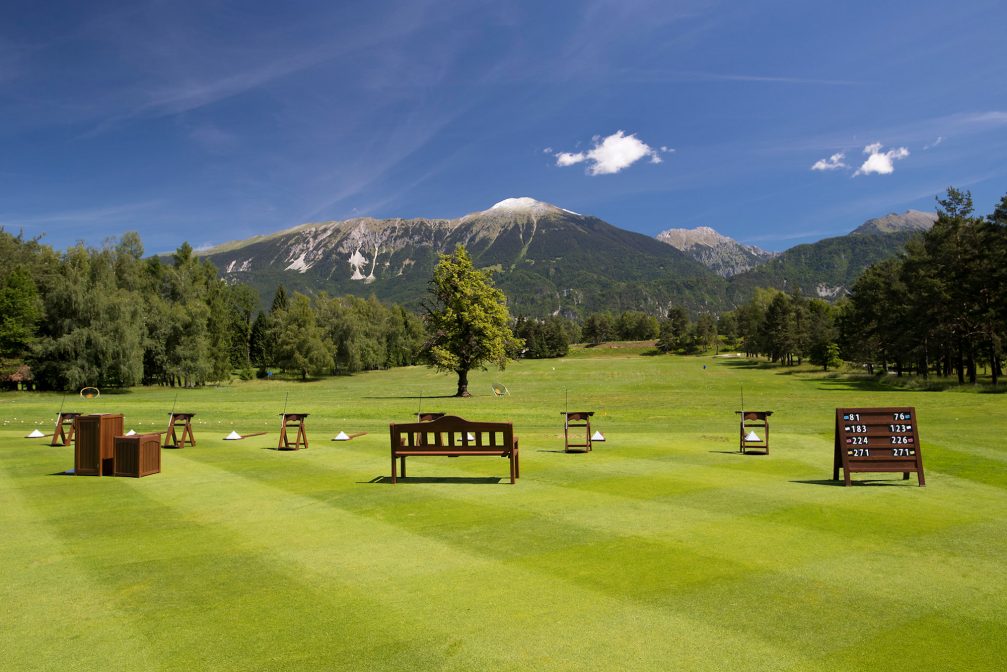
[[393, 468], [403, 459]]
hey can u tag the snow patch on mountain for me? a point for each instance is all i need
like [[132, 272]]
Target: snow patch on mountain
[[522, 203], [529, 205], [299, 264]]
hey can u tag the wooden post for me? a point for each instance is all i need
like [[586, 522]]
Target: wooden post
[[185, 420], [577, 420], [301, 439], [61, 436]]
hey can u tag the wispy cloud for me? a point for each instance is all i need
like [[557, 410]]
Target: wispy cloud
[[612, 154], [63, 227], [939, 140], [834, 162], [98, 215], [698, 75], [878, 162]]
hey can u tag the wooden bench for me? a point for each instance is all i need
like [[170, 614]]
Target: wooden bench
[[452, 436]]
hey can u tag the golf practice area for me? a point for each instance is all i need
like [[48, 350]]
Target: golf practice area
[[664, 547]]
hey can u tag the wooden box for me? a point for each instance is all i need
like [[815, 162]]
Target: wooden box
[[93, 452], [137, 455]]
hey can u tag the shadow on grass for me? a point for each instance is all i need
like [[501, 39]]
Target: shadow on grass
[[68, 472], [426, 396], [489, 480], [749, 364], [873, 384], [873, 482], [748, 453]]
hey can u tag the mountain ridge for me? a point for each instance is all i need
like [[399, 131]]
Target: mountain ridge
[[550, 260]]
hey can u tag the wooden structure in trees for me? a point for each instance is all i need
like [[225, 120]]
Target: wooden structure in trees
[[750, 421], [877, 440], [452, 436], [20, 379], [63, 434], [183, 421], [577, 421], [137, 456], [94, 447], [289, 420]]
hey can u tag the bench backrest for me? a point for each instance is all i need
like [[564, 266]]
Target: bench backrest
[[453, 433]]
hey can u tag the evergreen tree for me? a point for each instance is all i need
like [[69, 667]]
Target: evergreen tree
[[676, 331], [598, 328], [299, 344]]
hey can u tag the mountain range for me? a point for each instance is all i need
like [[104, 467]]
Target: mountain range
[[549, 260]]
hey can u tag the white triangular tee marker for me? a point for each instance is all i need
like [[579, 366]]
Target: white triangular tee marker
[[130, 432], [233, 436], [341, 436], [752, 436], [35, 434], [597, 436]]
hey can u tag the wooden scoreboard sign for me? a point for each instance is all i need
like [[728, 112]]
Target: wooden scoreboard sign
[[877, 439]]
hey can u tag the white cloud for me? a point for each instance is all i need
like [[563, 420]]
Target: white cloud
[[832, 163], [880, 162], [939, 140], [611, 154], [568, 159]]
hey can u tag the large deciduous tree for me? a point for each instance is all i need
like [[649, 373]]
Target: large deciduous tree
[[467, 320]]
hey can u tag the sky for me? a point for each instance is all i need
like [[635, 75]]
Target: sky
[[775, 123]]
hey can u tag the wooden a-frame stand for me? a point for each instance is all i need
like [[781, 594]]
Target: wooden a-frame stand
[[63, 434], [290, 420], [183, 420], [750, 420], [577, 420]]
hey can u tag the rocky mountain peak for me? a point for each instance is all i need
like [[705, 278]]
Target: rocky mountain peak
[[684, 239], [910, 220], [725, 256]]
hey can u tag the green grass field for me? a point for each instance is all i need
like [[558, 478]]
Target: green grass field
[[664, 549]]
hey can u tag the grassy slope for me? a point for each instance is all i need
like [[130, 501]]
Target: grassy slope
[[662, 549]]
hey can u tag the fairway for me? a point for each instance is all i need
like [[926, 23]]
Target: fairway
[[663, 549]]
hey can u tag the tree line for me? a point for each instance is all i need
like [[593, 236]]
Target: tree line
[[109, 317], [940, 308]]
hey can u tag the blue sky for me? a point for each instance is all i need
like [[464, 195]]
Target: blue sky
[[775, 123]]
